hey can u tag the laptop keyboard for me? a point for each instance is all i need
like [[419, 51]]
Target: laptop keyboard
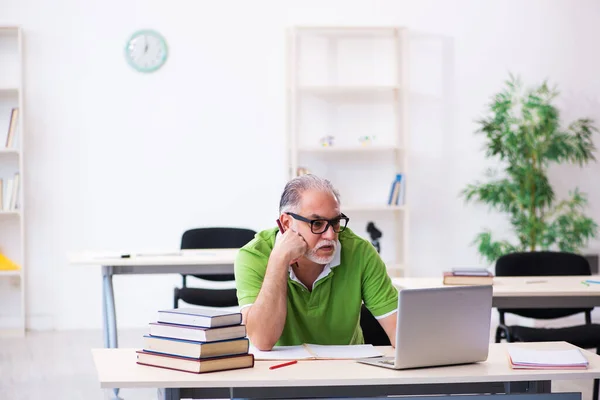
[[388, 362]]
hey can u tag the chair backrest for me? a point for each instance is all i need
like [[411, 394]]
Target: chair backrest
[[542, 263], [373, 333], [216, 238]]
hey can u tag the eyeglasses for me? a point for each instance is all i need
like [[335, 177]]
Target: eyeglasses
[[318, 226]]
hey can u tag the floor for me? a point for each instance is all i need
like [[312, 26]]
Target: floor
[[58, 365]]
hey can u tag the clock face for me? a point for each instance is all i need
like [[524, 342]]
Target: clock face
[[146, 51]]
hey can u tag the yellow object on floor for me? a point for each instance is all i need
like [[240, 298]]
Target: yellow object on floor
[[7, 265]]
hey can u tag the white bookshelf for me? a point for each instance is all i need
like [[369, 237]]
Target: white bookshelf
[[348, 84], [12, 227]]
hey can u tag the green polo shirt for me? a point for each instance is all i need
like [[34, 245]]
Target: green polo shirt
[[330, 313]]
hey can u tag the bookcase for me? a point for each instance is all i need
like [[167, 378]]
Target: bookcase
[[12, 235], [347, 101]]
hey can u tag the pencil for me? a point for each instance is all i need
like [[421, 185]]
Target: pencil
[[285, 364]]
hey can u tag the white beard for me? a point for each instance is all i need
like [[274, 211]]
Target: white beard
[[312, 253]]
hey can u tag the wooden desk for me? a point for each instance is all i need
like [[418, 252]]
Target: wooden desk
[[339, 378], [529, 292]]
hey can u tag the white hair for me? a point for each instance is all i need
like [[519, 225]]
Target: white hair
[[292, 193]]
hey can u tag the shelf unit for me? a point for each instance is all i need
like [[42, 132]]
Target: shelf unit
[[347, 92], [12, 226]]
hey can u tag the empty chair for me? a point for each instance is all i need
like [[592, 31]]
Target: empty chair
[[548, 263], [211, 238]]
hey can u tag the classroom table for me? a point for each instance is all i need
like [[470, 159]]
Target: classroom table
[[117, 368], [528, 291], [205, 261]]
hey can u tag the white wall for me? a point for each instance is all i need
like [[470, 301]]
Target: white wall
[[118, 159]]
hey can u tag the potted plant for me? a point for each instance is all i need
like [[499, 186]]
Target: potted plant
[[523, 132]]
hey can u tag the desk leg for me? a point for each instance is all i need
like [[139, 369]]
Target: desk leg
[[528, 387], [169, 394], [108, 313], [110, 318]]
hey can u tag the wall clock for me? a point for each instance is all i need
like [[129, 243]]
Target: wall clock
[[146, 51]]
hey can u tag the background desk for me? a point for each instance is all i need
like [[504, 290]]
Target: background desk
[[338, 378], [529, 292], [210, 261]]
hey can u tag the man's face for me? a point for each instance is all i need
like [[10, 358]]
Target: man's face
[[317, 205]]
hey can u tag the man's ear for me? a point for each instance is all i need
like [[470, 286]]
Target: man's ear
[[286, 221]]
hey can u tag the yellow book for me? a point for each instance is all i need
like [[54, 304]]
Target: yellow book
[[7, 265]]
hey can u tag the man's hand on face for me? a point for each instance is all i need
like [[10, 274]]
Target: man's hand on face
[[291, 246]]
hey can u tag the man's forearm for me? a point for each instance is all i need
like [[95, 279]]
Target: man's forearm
[[266, 317]]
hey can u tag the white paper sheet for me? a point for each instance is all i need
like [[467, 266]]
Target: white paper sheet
[[311, 351], [572, 357]]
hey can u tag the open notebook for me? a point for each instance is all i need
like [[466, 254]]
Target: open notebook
[[521, 358], [316, 352]]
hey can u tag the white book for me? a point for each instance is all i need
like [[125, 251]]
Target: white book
[[400, 200], [8, 195], [15, 192]]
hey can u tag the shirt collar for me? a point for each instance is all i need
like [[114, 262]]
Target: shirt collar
[[337, 259]]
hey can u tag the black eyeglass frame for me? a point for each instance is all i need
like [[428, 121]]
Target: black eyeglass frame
[[330, 222]]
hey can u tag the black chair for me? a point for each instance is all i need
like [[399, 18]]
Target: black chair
[[373, 333], [548, 263], [211, 238]]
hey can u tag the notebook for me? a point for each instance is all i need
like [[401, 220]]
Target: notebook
[[317, 352], [520, 358]]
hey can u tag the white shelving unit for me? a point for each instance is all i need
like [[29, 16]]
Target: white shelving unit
[[12, 227], [346, 84]]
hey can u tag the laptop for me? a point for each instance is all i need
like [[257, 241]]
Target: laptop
[[440, 326]]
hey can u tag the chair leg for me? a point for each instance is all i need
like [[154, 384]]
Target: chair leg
[[502, 332], [176, 298], [498, 335]]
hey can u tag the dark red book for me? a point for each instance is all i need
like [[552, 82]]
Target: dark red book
[[197, 366]]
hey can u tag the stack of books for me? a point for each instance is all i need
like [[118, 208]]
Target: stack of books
[[197, 340], [468, 276]]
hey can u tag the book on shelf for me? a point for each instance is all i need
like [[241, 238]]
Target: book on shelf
[[317, 352], [14, 195], [9, 197], [204, 317], [470, 271], [397, 189], [197, 333], [195, 349], [12, 128], [520, 358], [198, 366], [462, 278]]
